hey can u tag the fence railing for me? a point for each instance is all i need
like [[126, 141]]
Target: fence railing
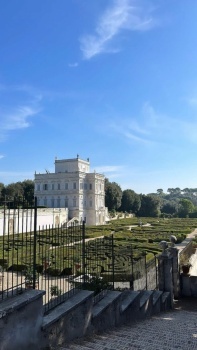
[[61, 261], [145, 274], [30, 257], [116, 266], [16, 245]]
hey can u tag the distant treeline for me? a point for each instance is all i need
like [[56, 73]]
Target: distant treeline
[[18, 191], [176, 202]]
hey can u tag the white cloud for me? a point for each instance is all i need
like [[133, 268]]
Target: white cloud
[[73, 65], [132, 130], [131, 136], [108, 168], [112, 172], [16, 115], [17, 119], [1, 156], [154, 128], [122, 15]]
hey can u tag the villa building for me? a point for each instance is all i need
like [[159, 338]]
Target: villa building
[[72, 186]]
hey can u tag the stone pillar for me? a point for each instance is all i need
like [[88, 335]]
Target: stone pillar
[[165, 274], [175, 272]]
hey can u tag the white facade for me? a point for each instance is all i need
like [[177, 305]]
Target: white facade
[[20, 220], [72, 186]]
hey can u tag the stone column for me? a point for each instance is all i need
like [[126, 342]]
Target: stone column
[[175, 272], [165, 262]]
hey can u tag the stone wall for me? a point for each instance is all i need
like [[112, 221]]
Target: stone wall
[[15, 221], [20, 321], [188, 285]]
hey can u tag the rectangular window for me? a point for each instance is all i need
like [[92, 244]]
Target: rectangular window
[[52, 186], [66, 203], [66, 186], [38, 187], [74, 185], [45, 187], [90, 187], [74, 202], [52, 203], [85, 186], [58, 186]]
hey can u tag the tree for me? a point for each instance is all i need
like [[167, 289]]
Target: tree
[[150, 206], [174, 191], [14, 190], [113, 195], [169, 208], [2, 188], [28, 190], [130, 201], [160, 191], [19, 191], [185, 208]]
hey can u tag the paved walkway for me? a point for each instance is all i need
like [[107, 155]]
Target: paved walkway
[[187, 240], [172, 330]]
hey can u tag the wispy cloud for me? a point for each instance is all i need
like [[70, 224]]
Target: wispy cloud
[[110, 171], [108, 168], [1, 156], [151, 127], [132, 129], [122, 15], [73, 65], [18, 118], [18, 105]]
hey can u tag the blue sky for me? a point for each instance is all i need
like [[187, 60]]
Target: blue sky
[[112, 80]]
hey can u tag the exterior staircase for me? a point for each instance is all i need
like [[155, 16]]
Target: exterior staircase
[[175, 329], [118, 310]]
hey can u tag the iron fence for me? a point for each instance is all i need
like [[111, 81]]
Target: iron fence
[[47, 258], [61, 261], [116, 266], [16, 244], [145, 274]]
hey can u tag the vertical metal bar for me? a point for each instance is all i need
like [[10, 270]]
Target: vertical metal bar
[[22, 237], [18, 239], [146, 271], [83, 251], [4, 233], [113, 267], [34, 252], [132, 276], [156, 277]]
